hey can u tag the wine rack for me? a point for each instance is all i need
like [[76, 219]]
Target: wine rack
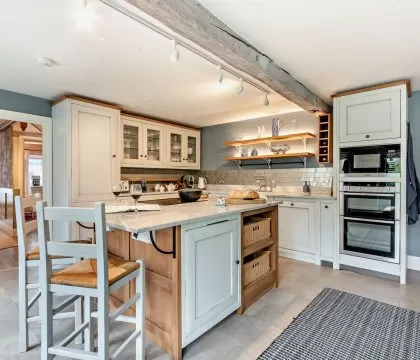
[[325, 139]]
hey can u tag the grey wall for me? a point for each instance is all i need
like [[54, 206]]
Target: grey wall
[[413, 231], [213, 149], [24, 103]]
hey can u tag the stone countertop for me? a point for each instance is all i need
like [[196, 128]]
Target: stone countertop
[[175, 215]]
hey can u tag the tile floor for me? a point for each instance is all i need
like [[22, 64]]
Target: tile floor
[[237, 337]]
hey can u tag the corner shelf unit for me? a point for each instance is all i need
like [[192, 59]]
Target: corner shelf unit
[[325, 139], [269, 158]]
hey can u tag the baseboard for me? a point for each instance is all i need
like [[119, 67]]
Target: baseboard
[[297, 255], [413, 262]]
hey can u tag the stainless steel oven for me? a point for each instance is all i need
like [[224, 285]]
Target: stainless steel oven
[[370, 220]]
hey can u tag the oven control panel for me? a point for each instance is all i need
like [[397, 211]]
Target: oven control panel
[[370, 187]]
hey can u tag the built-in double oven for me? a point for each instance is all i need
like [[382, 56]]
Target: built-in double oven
[[370, 220]]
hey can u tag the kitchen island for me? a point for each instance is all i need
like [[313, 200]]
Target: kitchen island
[[195, 259]]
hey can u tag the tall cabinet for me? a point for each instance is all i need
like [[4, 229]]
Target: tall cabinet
[[86, 159]]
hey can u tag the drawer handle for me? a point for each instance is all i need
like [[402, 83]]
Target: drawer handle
[[291, 204], [367, 136], [237, 262], [326, 206]]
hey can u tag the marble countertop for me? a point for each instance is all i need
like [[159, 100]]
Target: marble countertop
[[176, 215]]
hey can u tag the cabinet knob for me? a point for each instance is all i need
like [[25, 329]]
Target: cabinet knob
[[145, 156], [367, 136], [114, 156], [326, 206], [141, 155], [291, 204], [237, 262]]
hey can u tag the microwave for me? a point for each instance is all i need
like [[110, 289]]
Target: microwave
[[378, 161]]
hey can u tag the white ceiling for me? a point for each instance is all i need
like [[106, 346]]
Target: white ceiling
[[331, 45], [118, 61]]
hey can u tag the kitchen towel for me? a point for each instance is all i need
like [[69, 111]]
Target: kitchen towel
[[413, 185]]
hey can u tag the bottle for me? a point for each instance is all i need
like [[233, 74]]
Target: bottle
[[306, 189]]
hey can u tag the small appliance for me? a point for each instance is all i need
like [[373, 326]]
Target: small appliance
[[378, 161], [188, 181], [202, 183]]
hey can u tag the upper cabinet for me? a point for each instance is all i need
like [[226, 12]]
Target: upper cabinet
[[142, 143], [183, 147], [86, 161], [371, 115], [151, 144]]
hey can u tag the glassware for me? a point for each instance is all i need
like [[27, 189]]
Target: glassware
[[116, 190], [135, 192]]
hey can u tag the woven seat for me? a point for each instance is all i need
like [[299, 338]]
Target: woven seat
[[34, 253], [84, 273]]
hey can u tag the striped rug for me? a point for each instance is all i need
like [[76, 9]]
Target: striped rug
[[341, 326]]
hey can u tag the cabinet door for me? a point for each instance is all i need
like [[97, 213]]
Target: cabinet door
[[153, 145], [94, 150], [327, 222], [211, 277], [297, 226], [175, 156], [192, 149], [132, 139], [370, 116]]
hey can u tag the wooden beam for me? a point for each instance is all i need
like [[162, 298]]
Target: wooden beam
[[193, 22]]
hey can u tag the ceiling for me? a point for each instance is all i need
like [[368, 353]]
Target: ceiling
[[119, 61], [331, 45]]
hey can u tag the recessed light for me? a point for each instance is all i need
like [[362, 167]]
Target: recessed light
[[101, 39], [46, 61], [147, 98]]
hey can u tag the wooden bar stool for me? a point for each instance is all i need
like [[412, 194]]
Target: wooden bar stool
[[94, 277], [30, 259]]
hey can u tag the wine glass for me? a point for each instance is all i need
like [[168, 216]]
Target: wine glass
[[116, 190], [135, 192]]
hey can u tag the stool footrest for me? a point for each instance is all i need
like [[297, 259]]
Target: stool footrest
[[73, 353], [73, 335], [132, 337], [65, 303]]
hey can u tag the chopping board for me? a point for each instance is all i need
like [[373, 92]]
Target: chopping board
[[244, 201]]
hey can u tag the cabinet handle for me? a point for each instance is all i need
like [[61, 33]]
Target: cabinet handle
[[367, 136], [326, 206], [237, 262]]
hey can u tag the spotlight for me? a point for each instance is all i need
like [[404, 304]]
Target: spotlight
[[241, 86], [219, 74], [175, 52], [266, 101]]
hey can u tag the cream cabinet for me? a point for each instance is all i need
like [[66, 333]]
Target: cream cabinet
[[142, 143], [327, 230], [371, 115], [183, 148], [86, 159], [297, 226], [210, 275]]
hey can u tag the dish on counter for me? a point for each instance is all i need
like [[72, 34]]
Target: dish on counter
[[279, 148]]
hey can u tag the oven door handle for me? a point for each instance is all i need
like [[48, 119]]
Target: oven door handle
[[369, 220], [369, 194]]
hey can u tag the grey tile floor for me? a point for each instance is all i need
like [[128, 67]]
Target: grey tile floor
[[237, 337]]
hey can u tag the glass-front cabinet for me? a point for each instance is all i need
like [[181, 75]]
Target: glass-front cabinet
[[142, 144], [152, 144], [183, 148]]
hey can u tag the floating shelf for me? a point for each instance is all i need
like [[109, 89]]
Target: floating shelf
[[298, 136], [269, 158]]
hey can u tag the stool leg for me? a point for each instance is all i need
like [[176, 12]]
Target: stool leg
[[88, 335], [103, 327], [46, 312], [140, 355], [23, 308]]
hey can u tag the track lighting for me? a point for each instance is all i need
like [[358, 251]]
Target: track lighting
[[175, 52], [241, 86], [266, 101], [219, 74]]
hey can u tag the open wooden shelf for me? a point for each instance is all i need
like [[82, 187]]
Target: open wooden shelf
[[297, 136], [257, 246], [269, 156]]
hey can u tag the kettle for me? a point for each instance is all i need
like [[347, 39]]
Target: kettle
[[202, 182]]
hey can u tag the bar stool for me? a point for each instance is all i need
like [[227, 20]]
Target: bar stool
[[94, 277], [30, 259]]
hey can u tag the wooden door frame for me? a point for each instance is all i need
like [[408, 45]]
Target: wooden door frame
[[46, 123]]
